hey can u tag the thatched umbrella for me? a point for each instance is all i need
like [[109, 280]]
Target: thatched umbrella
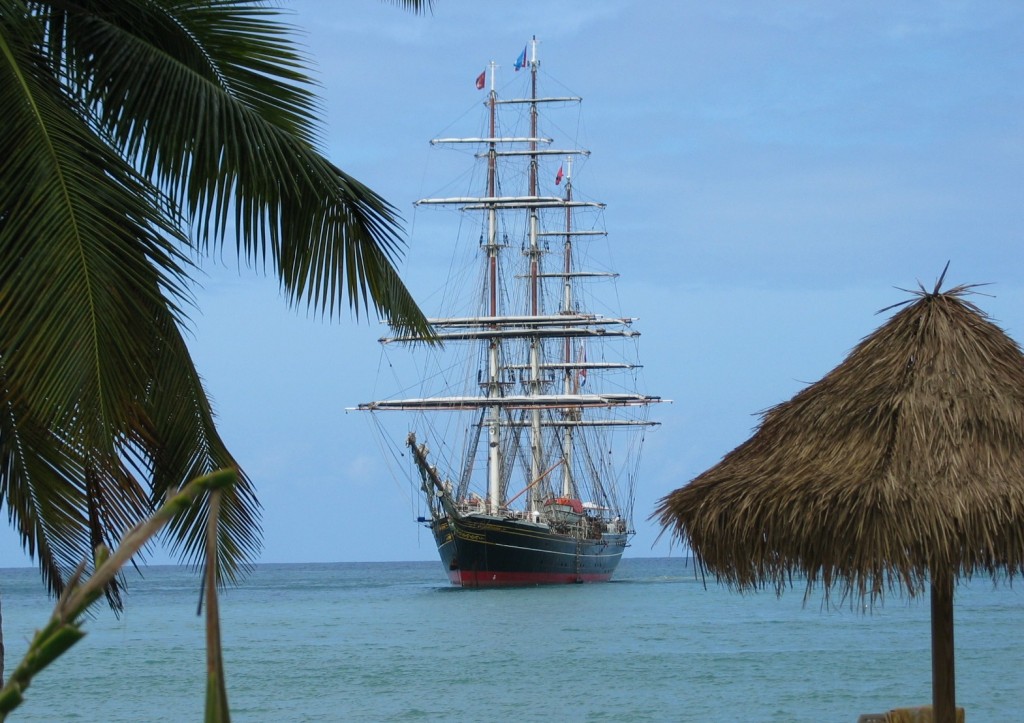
[[901, 468]]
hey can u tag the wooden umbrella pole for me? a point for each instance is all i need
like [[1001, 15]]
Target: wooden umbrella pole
[[943, 665]]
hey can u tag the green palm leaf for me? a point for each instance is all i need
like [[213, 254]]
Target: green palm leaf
[[84, 256], [228, 133], [139, 134]]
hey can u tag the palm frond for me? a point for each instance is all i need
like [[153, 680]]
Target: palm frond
[[41, 483], [414, 5], [91, 287], [229, 132], [180, 442], [126, 122]]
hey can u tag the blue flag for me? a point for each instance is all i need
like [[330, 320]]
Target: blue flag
[[521, 60]]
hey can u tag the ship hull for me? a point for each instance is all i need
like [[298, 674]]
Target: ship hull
[[482, 551]]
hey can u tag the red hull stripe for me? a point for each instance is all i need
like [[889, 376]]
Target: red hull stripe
[[483, 578]]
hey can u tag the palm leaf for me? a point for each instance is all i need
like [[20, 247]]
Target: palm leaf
[[180, 443], [229, 133], [87, 331], [126, 122]]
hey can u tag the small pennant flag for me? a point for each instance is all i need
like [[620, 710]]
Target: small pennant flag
[[521, 60], [558, 176], [480, 79]]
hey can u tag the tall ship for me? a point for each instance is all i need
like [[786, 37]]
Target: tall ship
[[527, 423]]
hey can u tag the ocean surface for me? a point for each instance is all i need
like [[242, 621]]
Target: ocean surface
[[395, 642]]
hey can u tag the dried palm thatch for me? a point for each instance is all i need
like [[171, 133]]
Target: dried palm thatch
[[903, 466]]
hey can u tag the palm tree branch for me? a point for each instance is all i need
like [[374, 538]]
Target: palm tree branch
[[106, 231], [180, 442], [40, 483], [233, 142]]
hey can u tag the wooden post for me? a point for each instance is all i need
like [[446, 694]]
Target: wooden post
[[943, 665]]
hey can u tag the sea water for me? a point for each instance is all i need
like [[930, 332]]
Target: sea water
[[395, 642]]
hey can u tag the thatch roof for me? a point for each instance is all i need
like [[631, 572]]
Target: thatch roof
[[906, 460]]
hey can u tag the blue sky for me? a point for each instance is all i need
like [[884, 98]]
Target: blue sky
[[774, 173]]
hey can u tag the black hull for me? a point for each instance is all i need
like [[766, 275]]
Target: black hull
[[481, 551]]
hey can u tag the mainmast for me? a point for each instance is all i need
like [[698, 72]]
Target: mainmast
[[537, 453], [494, 347]]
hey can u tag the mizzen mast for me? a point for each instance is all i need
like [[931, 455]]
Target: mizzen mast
[[572, 375]]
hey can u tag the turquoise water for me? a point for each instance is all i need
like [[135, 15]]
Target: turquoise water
[[394, 642]]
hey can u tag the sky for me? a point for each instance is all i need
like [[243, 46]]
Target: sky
[[775, 174]]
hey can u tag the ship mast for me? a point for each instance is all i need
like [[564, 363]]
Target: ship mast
[[570, 383], [536, 456], [552, 337], [493, 356]]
